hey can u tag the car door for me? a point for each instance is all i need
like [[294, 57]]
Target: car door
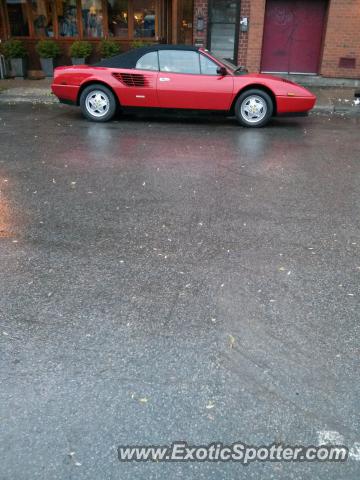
[[188, 79], [139, 84]]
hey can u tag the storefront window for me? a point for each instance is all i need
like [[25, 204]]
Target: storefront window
[[125, 19], [92, 17], [118, 18], [67, 18], [144, 18], [42, 18], [18, 17], [185, 9]]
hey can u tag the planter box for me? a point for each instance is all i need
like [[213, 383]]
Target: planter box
[[18, 67], [78, 61], [35, 75], [3, 67], [47, 65]]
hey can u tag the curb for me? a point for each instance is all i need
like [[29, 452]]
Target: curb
[[332, 109], [37, 97], [9, 100]]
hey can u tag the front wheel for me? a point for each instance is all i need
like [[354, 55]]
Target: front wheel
[[98, 103], [254, 108]]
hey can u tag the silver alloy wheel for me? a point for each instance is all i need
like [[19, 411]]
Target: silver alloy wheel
[[97, 103], [253, 109]]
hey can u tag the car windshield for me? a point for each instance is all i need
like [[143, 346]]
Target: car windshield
[[227, 63]]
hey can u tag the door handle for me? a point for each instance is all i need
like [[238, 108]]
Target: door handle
[[164, 79]]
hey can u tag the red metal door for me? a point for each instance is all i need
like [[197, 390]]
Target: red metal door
[[292, 35]]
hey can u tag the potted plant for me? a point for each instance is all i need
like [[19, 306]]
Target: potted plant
[[14, 50], [48, 50], [79, 52], [108, 48]]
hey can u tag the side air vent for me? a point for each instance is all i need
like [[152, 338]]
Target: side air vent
[[132, 79]]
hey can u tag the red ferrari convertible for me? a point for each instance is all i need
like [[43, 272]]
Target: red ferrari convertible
[[178, 77]]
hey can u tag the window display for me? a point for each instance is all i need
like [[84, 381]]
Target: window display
[[118, 18], [144, 18], [42, 18], [67, 18], [18, 17], [92, 18]]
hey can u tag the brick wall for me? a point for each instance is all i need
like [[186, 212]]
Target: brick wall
[[255, 36], [243, 36], [342, 39]]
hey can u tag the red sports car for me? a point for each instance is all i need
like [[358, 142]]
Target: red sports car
[[177, 77]]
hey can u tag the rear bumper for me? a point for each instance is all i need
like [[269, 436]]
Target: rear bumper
[[287, 105], [66, 93], [66, 102]]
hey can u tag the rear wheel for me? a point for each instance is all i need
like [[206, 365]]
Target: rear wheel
[[254, 108], [98, 103]]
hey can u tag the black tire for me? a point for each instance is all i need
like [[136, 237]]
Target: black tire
[[259, 97], [106, 95]]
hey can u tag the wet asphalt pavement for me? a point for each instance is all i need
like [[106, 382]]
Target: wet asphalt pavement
[[176, 279]]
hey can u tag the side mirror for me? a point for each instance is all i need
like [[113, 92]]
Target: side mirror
[[221, 71], [242, 70]]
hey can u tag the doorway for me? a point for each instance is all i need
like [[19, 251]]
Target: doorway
[[223, 31], [293, 32], [177, 21]]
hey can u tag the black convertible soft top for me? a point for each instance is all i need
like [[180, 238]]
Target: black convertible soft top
[[129, 59]]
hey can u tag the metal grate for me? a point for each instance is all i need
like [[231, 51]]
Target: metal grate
[[132, 79], [346, 62]]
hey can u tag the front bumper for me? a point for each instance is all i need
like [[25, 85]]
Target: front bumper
[[293, 104]]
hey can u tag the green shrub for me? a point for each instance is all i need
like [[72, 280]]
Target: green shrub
[[140, 43], [108, 48], [80, 49], [14, 49], [47, 49]]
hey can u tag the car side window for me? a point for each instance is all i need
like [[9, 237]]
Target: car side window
[[208, 67], [149, 61], [179, 61]]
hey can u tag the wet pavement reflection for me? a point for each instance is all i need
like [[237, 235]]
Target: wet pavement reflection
[[183, 260]]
